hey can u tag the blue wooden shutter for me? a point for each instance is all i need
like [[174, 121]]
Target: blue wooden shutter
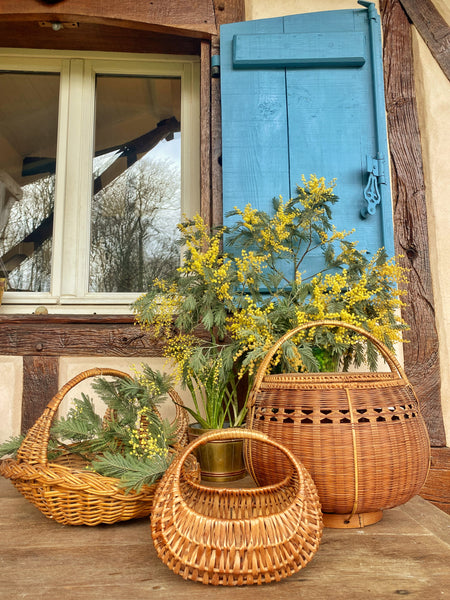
[[304, 94]]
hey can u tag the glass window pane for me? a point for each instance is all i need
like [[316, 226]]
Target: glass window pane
[[136, 182], [28, 131]]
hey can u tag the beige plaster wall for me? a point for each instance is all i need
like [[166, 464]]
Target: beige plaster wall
[[10, 396], [263, 9]]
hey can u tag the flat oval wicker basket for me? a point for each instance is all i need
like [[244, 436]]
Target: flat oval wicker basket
[[62, 489], [236, 536], [360, 435]]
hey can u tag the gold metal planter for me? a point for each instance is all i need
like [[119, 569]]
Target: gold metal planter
[[220, 460]]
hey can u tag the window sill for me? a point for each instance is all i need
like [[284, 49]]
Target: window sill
[[75, 319], [75, 335]]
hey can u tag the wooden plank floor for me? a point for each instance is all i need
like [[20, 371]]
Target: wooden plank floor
[[406, 554]]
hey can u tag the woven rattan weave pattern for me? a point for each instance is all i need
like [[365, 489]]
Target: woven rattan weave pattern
[[63, 489], [236, 536], [360, 435]]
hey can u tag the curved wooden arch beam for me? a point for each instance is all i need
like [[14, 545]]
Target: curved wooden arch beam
[[194, 19]]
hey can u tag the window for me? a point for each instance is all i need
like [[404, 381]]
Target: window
[[99, 158]]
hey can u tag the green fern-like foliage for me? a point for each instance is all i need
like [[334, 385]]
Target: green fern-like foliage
[[132, 441], [82, 422], [134, 472], [146, 389], [10, 446]]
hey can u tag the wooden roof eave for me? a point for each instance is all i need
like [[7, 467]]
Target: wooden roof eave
[[196, 19]]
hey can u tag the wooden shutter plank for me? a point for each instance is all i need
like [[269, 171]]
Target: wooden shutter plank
[[205, 132], [333, 129], [254, 133], [231, 11], [299, 50]]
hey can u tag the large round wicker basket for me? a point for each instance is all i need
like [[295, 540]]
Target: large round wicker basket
[[236, 536], [360, 435], [62, 489]]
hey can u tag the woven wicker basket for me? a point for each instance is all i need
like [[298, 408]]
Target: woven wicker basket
[[360, 435], [62, 489], [236, 536]]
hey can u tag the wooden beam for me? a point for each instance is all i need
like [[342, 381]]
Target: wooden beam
[[40, 384], [433, 29], [65, 335], [94, 36], [26, 247], [134, 150], [205, 131], [11, 185], [216, 144], [437, 485], [78, 335], [421, 353], [195, 18], [228, 11]]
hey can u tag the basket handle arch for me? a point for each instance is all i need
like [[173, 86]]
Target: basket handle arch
[[390, 359], [35, 444], [231, 434]]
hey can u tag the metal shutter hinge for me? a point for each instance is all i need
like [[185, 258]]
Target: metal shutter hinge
[[215, 65], [372, 196]]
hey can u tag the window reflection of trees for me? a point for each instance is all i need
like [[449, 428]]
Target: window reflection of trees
[[133, 228], [133, 231], [25, 244]]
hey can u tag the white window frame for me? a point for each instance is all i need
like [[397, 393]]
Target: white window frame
[[73, 192]]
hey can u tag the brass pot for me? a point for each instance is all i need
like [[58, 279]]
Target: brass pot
[[220, 461]]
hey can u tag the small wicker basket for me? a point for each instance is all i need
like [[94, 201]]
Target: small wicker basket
[[360, 435], [63, 489], [236, 536]]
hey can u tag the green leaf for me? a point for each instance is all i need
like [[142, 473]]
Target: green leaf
[[372, 356], [133, 472], [11, 445], [309, 360], [81, 422]]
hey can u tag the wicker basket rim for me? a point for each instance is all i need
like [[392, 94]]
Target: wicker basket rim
[[339, 375], [233, 433], [261, 374], [242, 491], [62, 476]]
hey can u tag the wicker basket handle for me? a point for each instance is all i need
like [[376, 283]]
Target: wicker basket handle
[[393, 363], [230, 434], [34, 447]]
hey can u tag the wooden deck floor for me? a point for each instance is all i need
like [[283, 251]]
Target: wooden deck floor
[[406, 554]]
